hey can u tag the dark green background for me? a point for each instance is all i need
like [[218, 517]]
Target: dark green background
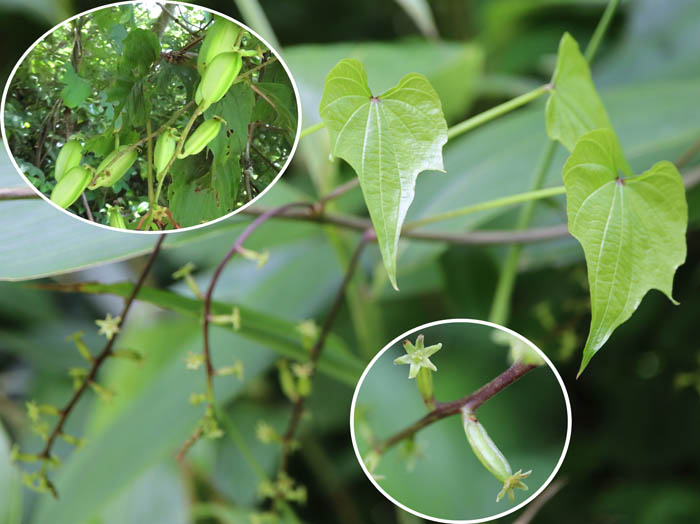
[[634, 454]]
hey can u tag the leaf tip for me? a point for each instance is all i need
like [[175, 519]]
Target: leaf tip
[[392, 278], [587, 356]]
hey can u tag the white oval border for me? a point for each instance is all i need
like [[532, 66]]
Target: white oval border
[[462, 321], [169, 231]]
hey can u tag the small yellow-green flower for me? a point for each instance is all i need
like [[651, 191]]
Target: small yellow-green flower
[[418, 356], [266, 433], [160, 213], [511, 483], [109, 326], [32, 411], [194, 361], [309, 332]]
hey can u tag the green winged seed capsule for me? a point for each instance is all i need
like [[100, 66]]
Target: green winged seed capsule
[[71, 186], [484, 448], [70, 156], [491, 457], [204, 134], [164, 151], [219, 77], [198, 95], [108, 172], [220, 38]]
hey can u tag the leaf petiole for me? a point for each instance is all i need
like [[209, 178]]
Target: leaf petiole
[[489, 204], [495, 112]]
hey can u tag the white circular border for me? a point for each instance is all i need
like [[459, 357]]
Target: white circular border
[[146, 2], [462, 321]]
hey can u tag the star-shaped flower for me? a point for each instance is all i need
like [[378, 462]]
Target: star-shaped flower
[[160, 213], [309, 331], [194, 360], [33, 411], [511, 483], [418, 356], [109, 326]]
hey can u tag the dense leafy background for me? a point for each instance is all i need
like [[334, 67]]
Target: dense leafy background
[[102, 76], [633, 456]]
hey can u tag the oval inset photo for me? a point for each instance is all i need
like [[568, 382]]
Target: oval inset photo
[[150, 117], [460, 421]]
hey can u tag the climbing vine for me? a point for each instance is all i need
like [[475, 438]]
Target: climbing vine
[[631, 226]]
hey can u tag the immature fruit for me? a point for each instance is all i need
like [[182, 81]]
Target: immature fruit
[[164, 151], [484, 448], [204, 134], [71, 186], [221, 38], [115, 218], [491, 457], [219, 77], [108, 172], [70, 156]]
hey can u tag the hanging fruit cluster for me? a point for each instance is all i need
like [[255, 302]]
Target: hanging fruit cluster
[[219, 63]]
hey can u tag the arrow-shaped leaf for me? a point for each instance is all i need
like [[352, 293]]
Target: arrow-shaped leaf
[[574, 107], [632, 229], [387, 139]]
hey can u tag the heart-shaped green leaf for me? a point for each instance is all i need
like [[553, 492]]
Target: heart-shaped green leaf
[[632, 229], [76, 89], [387, 139], [574, 107]]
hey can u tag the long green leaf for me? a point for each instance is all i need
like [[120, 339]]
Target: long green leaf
[[388, 140], [574, 107], [279, 335], [632, 229]]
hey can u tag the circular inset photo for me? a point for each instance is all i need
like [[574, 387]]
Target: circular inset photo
[[146, 116], [460, 421]]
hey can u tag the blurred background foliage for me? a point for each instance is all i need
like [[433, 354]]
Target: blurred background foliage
[[633, 455]]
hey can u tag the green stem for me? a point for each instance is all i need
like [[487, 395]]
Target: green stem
[[600, 30], [506, 281], [252, 70], [240, 442], [504, 289], [365, 314], [254, 464], [489, 204], [424, 381], [178, 150], [239, 38], [311, 129], [158, 190], [149, 162], [496, 111]]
